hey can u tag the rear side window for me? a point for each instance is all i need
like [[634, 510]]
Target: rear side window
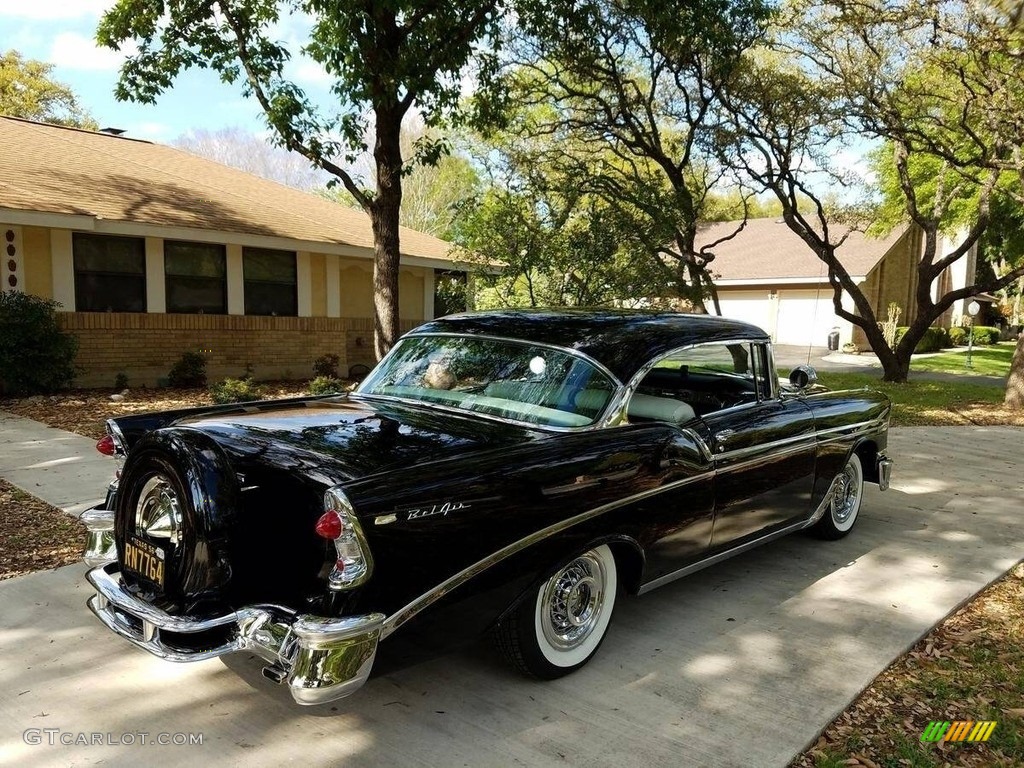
[[709, 377]]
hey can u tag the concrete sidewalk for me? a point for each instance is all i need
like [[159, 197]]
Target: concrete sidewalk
[[739, 665], [61, 468]]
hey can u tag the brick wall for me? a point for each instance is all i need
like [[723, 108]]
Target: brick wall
[[145, 346]]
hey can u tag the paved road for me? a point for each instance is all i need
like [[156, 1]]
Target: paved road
[[740, 665]]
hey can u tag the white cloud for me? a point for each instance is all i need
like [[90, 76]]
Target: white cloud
[[311, 73], [53, 9], [149, 130], [74, 51]]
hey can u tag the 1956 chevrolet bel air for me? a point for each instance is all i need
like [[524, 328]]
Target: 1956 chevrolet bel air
[[503, 473]]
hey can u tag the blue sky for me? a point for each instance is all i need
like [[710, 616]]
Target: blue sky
[[62, 32]]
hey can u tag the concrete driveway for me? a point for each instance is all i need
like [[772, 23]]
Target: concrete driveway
[[740, 665]]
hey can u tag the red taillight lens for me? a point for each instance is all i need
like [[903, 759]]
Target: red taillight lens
[[106, 446], [329, 525]]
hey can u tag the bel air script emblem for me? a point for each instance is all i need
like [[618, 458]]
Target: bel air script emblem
[[437, 509]]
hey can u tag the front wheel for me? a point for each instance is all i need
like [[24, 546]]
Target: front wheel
[[560, 628], [844, 506]]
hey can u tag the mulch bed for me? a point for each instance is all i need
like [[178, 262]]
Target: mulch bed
[[86, 411], [35, 536], [970, 667]]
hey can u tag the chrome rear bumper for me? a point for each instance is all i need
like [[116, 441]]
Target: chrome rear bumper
[[321, 658]]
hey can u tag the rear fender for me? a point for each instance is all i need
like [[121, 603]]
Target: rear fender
[[211, 497]]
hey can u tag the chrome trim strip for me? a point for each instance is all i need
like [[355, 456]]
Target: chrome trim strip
[[399, 617], [705, 451], [761, 457], [719, 557], [738, 453]]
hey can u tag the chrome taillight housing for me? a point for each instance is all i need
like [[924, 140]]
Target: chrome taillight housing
[[114, 445], [354, 563]]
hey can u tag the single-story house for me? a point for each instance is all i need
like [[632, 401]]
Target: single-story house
[[768, 276], [152, 251]]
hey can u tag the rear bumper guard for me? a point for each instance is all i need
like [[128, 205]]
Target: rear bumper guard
[[321, 658], [884, 464]]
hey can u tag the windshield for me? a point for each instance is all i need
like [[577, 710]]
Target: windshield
[[498, 377]]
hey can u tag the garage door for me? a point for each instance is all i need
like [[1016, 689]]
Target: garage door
[[805, 317], [753, 307]]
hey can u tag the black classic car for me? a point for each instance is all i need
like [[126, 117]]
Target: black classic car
[[502, 473]]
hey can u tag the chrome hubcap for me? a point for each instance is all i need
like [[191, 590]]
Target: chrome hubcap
[[158, 512], [844, 497], [573, 602]]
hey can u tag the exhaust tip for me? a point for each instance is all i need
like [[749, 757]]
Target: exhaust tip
[[275, 673]]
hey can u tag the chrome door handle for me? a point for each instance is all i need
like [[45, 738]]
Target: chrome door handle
[[722, 436]]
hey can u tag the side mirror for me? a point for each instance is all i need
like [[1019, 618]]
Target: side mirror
[[803, 377]]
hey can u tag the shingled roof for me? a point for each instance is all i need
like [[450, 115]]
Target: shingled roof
[[768, 249], [52, 169]]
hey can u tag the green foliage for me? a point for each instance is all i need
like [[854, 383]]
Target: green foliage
[[235, 391], [326, 366], [188, 371], [986, 334], [958, 336], [35, 354], [27, 90], [451, 292], [933, 340], [326, 385], [121, 381]]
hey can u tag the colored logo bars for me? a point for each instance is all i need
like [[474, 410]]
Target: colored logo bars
[[958, 730]]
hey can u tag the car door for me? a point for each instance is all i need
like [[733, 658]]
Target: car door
[[764, 457]]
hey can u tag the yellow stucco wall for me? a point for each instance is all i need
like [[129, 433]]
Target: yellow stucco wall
[[38, 268], [356, 288], [318, 289], [410, 294]]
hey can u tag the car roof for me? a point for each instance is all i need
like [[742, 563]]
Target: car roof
[[621, 340]]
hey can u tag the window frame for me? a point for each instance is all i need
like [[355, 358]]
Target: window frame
[[79, 274], [618, 410], [222, 249], [247, 250]]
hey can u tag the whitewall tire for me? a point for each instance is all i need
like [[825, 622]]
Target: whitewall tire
[[559, 628], [843, 508]]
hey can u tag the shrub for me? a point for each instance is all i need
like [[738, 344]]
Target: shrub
[[986, 334], [121, 381], [235, 391], [850, 348], [326, 385], [326, 366], [35, 354], [958, 336], [933, 339], [189, 371]]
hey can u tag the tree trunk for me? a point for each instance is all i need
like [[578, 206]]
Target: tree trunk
[[384, 217], [1015, 381]]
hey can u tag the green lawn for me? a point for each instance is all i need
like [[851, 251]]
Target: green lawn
[[923, 403], [985, 361]]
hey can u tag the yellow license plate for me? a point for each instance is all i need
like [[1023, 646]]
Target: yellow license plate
[[145, 559]]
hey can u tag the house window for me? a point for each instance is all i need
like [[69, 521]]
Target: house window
[[196, 277], [271, 287], [110, 273]]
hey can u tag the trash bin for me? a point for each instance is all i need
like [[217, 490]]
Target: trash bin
[[833, 340]]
